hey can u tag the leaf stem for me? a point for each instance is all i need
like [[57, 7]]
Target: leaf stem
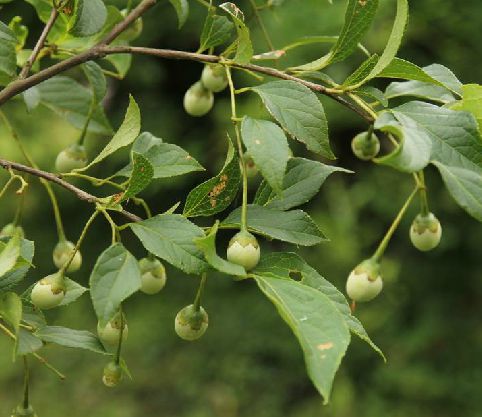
[[197, 300], [386, 239], [261, 25], [242, 162], [26, 377], [121, 334]]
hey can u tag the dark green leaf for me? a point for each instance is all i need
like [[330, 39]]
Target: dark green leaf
[[293, 226], [96, 78], [268, 146], [299, 111], [216, 194], [302, 182], [142, 174], [27, 343], [171, 237], [182, 10], [244, 48], [88, 17], [80, 339], [8, 60], [216, 31], [115, 277]]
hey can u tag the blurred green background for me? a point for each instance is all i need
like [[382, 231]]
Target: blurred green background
[[427, 320]]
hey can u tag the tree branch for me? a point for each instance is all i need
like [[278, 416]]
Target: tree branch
[[40, 43], [81, 194]]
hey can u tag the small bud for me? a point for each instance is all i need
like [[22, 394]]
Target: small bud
[[20, 411], [243, 249], [364, 282], [112, 374], [191, 324], [62, 253], [198, 100], [72, 157], [153, 275], [110, 333], [214, 77], [425, 232], [49, 291], [10, 229], [365, 148]]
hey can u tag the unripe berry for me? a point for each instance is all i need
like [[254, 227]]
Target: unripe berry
[[425, 232], [62, 253], [364, 282], [214, 77], [110, 334], [198, 100], [191, 324], [365, 148], [72, 157], [251, 168], [49, 291], [112, 374], [153, 275], [10, 229], [20, 411], [243, 249]]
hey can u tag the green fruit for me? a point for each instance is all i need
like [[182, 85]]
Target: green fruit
[[243, 249], [10, 229], [153, 275], [112, 374], [62, 253], [133, 30], [364, 282], [198, 100], [20, 411], [191, 324], [49, 291], [214, 77], [425, 232], [365, 148], [251, 168], [110, 333], [72, 157]]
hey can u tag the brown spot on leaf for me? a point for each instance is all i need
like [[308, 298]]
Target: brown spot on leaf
[[362, 2], [325, 346], [217, 189]]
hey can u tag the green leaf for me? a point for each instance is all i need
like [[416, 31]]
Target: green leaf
[[171, 237], [421, 90], [115, 277], [244, 48], [63, 336], [471, 101], [268, 146], [358, 19], [393, 43], [71, 100], [456, 150], [8, 59], [73, 291], [362, 71], [414, 149], [216, 31], [96, 79], [182, 10], [302, 182], [11, 309], [208, 246], [293, 226], [88, 18], [284, 265], [33, 316], [128, 131], [27, 343], [10, 254], [217, 193], [167, 160], [317, 324], [142, 174], [20, 31], [299, 111], [14, 276], [121, 63]]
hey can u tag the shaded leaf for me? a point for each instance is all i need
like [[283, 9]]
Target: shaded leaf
[[11, 309], [88, 17], [141, 177], [216, 31], [63, 336], [244, 48], [182, 10]]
